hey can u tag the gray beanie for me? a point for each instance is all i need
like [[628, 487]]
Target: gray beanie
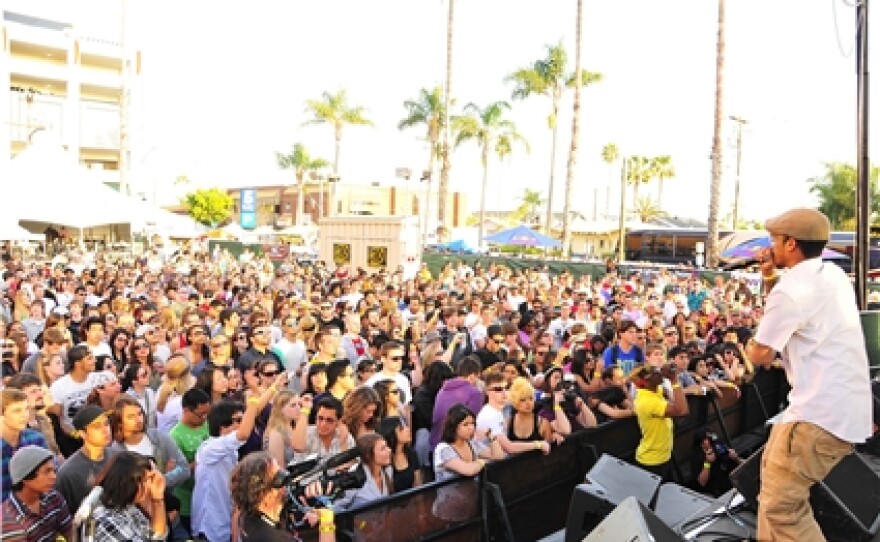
[[26, 460]]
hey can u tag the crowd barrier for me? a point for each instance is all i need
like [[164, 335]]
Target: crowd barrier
[[526, 496]]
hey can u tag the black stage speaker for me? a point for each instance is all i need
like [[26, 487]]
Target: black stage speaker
[[608, 483], [846, 503], [631, 520], [676, 503]]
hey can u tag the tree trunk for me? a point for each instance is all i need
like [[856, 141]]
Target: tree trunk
[[331, 211], [428, 183], [548, 221], [300, 179], [575, 134], [485, 160], [715, 189], [443, 189]]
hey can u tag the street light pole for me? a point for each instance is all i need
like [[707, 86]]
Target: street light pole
[[621, 232], [739, 139]]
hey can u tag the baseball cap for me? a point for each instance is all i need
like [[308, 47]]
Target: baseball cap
[[26, 460], [87, 415]]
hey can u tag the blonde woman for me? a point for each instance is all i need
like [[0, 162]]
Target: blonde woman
[[175, 383], [279, 428]]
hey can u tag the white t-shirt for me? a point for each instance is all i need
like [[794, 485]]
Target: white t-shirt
[[399, 378], [167, 419], [72, 395], [491, 418], [103, 349]]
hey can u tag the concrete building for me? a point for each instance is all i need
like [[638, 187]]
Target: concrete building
[[78, 81]]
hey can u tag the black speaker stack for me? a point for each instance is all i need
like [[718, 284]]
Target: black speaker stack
[[619, 501]]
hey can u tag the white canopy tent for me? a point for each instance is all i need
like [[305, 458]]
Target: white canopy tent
[[54, 189], [9, 231]]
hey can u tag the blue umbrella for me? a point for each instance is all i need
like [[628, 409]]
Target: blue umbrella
[[523, 236], [749, 250]]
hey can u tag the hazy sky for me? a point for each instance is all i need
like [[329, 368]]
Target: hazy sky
[[226, 83]]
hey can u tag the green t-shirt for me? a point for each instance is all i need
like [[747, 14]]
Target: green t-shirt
[[188, 440]]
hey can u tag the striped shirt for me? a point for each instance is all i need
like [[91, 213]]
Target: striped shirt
[[21, 524], [25, 438]]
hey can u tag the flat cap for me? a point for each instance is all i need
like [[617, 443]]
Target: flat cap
[[801, 223]]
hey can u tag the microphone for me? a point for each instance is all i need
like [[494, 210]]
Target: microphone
[[342, 458], [88, 504]]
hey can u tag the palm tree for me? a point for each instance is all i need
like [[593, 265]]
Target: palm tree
[[715, 187], [428, 110], [532, 199], [575, 134], [547, 77], [663, 169], [610, 155], [445, 165], [492, 132], [638, 171], [648, 209], [835, 189], [301, 162], [334, 109]]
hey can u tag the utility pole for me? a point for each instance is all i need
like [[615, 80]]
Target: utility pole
[[124, 106], [863, 160], [621, 231], [739, 140]]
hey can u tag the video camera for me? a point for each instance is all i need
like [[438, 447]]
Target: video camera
[[336, 475]]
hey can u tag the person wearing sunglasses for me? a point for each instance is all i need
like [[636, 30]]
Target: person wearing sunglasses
[[260, 341], [392, 354], [492, 417], [230, 425]]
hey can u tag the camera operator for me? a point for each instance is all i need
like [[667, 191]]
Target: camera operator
[[561, 395], [255, 494], [712, 462]]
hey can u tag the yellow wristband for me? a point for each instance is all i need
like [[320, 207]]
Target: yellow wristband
[[538, 445], [676, 386], [482, 463], [557, 408], [331, 528], [325, 515], [707, 465], [305, 411], [253, 400]]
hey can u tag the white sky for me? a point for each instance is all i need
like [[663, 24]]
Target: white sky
[[226, 82]]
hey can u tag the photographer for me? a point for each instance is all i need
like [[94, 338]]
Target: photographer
[[712, 462], [255, 494], [561, 396]]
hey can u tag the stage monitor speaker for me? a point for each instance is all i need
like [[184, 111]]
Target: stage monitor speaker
[[632, 520], [619, 480], [608, 483], [676, 503], [846, 504]]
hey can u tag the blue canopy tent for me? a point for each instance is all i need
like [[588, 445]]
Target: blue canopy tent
[[459, 245], [523, 236]]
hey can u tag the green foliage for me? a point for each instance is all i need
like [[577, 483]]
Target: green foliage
[[610, 153], [209, 206], [334, 109], [836, 190], [489, 129], [300, 161]]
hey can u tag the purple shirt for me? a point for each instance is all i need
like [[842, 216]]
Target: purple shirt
[[455, 390]]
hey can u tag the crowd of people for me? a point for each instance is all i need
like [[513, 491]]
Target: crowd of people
[[185, 386]]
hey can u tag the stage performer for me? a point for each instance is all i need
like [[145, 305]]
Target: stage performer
[[812, 320]]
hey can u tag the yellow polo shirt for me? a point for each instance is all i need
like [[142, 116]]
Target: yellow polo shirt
[[655, 448]]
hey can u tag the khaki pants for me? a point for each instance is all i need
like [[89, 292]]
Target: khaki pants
[[797, 455]]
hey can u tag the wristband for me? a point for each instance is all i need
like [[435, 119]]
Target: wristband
[[676, 386], [538, 445], [557, 408], [707, 465], [253, 401], [329, 528], [325, 515], [273, 388], [482, 463], [305, 411]]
